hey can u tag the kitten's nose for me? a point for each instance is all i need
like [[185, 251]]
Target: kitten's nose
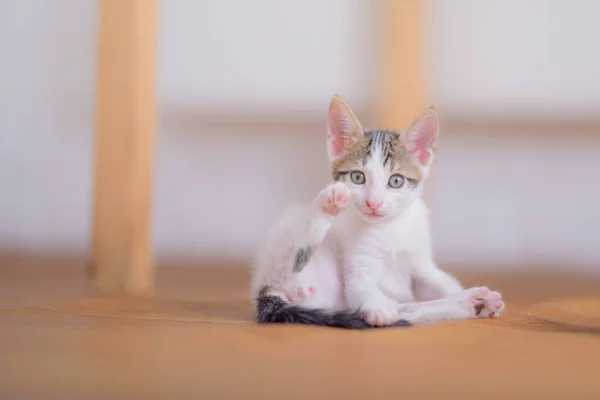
[[374, 205]]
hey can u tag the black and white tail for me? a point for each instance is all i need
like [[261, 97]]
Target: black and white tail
[[272, 309]]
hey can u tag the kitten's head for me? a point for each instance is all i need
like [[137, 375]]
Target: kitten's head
[[384, 170]]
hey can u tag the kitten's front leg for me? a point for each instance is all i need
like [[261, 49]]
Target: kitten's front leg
[[329, 203], [363, 294], [431, 283]]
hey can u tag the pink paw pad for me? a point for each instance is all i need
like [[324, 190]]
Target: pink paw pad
[[341, 196], [474, 300], [494, 296], [479, 305], [299, 294], [486, 303]]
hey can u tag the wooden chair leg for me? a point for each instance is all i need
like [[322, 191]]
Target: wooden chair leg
[[402, 96], [401, 93], [122, 253]]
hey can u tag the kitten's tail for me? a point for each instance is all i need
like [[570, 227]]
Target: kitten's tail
[[272, 309]]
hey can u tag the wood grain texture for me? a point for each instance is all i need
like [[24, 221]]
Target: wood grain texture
[[122, 254], [59, 338]]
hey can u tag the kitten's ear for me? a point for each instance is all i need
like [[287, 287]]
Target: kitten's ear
[[421, 136], [343, 128]]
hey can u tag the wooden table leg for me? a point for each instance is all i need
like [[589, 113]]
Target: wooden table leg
[[122, 253]]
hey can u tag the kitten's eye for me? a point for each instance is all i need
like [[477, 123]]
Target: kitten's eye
[[357, 177], [396, 181]]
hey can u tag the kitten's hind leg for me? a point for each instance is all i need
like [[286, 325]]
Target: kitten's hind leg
[[431, 283], [477, 302]]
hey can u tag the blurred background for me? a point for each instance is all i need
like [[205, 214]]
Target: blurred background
[[243, 94]]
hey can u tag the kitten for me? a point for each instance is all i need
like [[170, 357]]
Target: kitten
[[359, 256]]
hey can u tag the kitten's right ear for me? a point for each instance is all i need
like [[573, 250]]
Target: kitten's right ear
[[343, 128]]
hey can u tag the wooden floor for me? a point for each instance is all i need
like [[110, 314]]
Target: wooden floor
[[59, 339]]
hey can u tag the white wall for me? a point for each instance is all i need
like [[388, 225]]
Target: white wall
[[525, 58], [517, 197], [497, 197], [266, 56], [47, 61]]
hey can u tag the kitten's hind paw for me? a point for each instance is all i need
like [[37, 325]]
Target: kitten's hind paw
[[484, 303], [299, 294], [494, 305]]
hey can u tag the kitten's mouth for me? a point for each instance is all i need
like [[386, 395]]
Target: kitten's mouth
[[370, 214]]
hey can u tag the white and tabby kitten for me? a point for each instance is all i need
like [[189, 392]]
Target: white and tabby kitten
[[361, 254]]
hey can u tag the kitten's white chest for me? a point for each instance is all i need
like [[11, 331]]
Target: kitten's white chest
[[395, 278], [398, 245]]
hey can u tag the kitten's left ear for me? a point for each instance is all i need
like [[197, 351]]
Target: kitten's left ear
[[421, 136]]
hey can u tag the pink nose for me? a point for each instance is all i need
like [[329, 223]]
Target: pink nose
[[374, 205]]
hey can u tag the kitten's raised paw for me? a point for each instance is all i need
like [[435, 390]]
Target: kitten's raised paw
[[334, 198], [484, 303], [383, 313]]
